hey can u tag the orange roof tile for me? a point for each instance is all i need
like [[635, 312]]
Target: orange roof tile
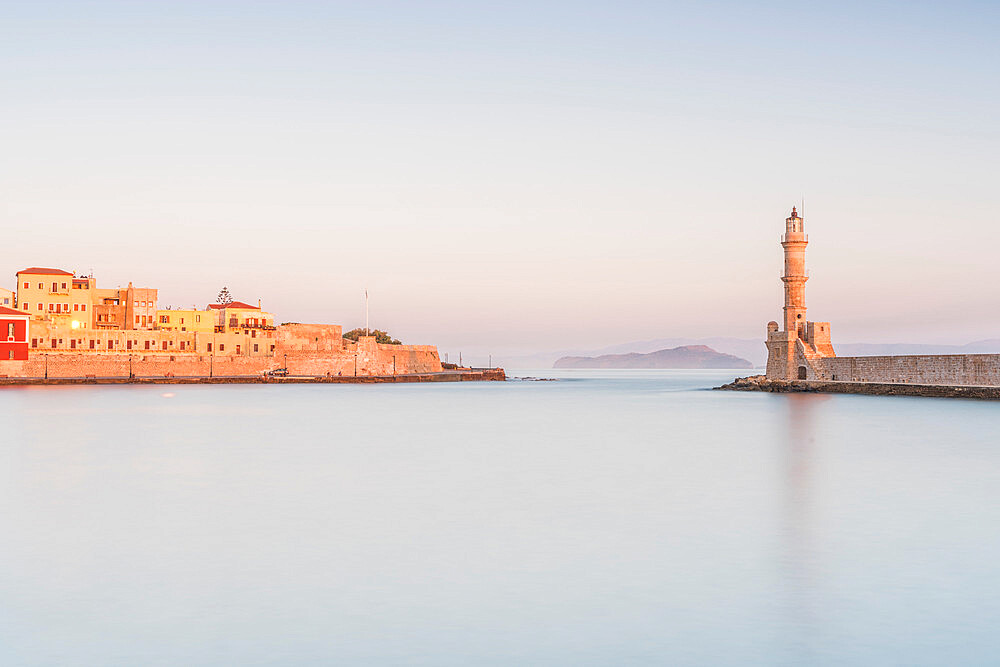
[[234, 304], [45, 272]]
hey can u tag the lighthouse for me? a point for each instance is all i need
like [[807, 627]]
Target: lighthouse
[[792, 350], [794, 243]]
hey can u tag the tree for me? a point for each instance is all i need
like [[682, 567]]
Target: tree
[[225, 297], [380, 336]]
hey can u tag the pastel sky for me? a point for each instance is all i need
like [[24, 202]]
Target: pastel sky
[[514, 176]]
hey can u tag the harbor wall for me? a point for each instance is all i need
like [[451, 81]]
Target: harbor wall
[[327, 356], [945, 369]]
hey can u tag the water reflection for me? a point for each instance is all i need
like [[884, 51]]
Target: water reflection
[[799, 569]]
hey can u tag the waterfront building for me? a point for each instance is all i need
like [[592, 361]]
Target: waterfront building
[[7, 298], [186, 319], [238, 317], [13, 334]]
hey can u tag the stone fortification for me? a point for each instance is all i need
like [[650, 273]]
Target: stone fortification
[[302, 349], [803, 350]]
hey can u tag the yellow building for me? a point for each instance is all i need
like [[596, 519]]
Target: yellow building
[[56, 296], [200, 321], [239, 317]]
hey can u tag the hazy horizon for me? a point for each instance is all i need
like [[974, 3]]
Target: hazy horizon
[[536, 176]]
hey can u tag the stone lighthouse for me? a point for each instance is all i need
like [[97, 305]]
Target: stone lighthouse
[[791, 350], [794, 243]]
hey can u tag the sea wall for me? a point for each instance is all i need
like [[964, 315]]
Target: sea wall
[[367, 358], [944, 369], [761, 383]]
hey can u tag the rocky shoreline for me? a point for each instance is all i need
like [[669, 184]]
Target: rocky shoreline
[[761, 383]]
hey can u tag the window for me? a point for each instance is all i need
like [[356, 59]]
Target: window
[[92, 344], [39, 306], [55, 287], [34, 342], [197, 318], [222, 347], [41, 286], [164, 345], [137, 319], [128, 345], [255, 347], [76, 307], [135, 304], [10, 330], [182, 320], [72, 344], [209, 347], [53, 343], [26, 306], [182, 345], [111, 344], [64, 285], [83, 307], [272, 348], [25, 285], [11, 353], [147, 344]]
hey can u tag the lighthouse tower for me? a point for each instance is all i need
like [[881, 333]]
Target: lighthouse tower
[[794, 243], [792, 351]]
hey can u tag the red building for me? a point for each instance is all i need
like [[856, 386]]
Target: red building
[[13, 334]]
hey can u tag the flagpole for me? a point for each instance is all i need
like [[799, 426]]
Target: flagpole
[[366, 311]]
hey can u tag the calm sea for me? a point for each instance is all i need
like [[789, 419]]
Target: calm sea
[[609, 518]]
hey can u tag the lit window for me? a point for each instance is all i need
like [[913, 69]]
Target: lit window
[[25, 285], [83, 306]]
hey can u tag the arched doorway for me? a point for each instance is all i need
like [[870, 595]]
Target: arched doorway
[[802, 372]]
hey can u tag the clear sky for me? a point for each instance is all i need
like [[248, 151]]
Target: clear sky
[[514, 176]]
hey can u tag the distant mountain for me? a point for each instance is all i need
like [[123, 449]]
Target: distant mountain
[[686, 356], [752, 349]]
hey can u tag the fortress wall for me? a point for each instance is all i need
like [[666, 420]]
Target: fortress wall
[[945, 369], [310, 337], [371, 359]]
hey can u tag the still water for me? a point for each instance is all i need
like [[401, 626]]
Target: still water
[[609, 518]]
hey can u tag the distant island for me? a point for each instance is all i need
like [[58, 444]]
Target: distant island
[[686, 356]]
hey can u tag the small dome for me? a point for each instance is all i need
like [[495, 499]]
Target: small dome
[[772, 326]]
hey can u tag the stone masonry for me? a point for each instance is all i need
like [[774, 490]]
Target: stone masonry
[[802, 350]]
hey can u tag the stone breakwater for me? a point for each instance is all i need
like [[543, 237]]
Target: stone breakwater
[[485, 375], [761, 383]]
